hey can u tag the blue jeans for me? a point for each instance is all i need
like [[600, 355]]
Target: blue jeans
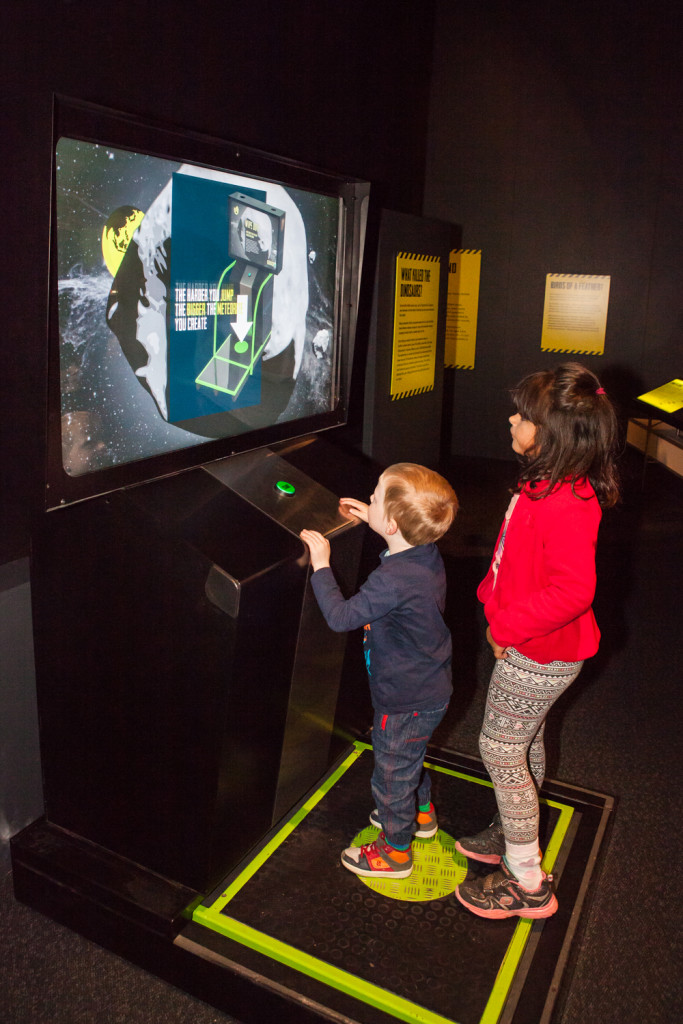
[[400, 782]]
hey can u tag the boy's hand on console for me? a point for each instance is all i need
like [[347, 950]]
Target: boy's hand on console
[[319, 548], [354, 507]]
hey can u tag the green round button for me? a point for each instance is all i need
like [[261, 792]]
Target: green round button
[[284, 487]]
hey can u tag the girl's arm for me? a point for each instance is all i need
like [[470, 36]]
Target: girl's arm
[[498, 651]]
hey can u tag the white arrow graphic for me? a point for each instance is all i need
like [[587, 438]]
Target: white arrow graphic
[[241, 325]]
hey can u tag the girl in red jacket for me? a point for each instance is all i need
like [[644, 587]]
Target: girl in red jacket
[[537, 598]]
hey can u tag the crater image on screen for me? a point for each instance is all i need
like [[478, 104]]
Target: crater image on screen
[[194, 303]]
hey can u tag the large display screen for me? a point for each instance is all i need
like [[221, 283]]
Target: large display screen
[[198, 309]]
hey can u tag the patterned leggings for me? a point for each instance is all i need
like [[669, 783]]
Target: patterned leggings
[[521, 693]]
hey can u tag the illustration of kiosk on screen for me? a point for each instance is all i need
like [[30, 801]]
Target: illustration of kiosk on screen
[[243, 317]]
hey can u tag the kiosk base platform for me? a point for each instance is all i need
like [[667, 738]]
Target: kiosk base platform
[[292, 936]]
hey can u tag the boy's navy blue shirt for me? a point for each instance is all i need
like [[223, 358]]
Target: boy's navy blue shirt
[[407, 644]]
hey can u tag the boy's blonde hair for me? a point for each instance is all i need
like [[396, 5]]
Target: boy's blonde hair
[[421, 502]]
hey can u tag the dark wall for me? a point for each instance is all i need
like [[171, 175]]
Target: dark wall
[[556, 141], [343, 86]]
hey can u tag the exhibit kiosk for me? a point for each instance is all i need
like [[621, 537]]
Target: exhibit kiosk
[[201, 768]]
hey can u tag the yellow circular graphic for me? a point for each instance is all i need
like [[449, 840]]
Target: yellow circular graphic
[[120, 227], [437, 869]]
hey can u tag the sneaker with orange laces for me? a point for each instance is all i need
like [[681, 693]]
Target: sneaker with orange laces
[[378, 860], [425, 826]]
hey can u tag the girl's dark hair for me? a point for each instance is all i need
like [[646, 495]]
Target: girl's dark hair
[[576, 431]]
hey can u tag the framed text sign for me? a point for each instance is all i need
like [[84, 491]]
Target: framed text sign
[[464, 269], [575, 313], [416, 307]]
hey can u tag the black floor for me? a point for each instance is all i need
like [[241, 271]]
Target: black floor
[[617, 731]]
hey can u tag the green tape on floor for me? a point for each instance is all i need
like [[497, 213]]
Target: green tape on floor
[[428, 880]]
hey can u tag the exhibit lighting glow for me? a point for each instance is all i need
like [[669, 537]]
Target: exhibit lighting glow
[[284, 487]]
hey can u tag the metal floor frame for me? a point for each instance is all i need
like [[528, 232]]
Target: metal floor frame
[[515, 980]]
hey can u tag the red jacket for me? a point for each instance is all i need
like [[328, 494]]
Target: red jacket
[[541, 601]]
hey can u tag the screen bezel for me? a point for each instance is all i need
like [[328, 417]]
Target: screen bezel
[[90, 123]]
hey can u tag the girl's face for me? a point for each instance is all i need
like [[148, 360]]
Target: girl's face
[[523, 434]]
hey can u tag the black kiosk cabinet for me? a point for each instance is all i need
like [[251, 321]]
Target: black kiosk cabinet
[[187, 681], [199, 754], [201, 334]]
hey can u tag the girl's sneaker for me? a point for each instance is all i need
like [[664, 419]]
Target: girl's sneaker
[[487, 846], [425, 827], [378, 860], [501, 895]]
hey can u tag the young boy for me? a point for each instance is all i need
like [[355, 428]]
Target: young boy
[[407, 653]]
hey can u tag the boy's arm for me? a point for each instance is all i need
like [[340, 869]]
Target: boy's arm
[[375, 598], [319, 548]]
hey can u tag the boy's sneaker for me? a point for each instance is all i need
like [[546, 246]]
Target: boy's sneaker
[[501, 895], [487, 846], [378, 860], [424, 827]]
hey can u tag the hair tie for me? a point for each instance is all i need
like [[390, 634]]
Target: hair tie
[[600, 391]]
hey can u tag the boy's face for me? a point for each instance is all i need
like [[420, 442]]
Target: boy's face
[[377, 520]]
